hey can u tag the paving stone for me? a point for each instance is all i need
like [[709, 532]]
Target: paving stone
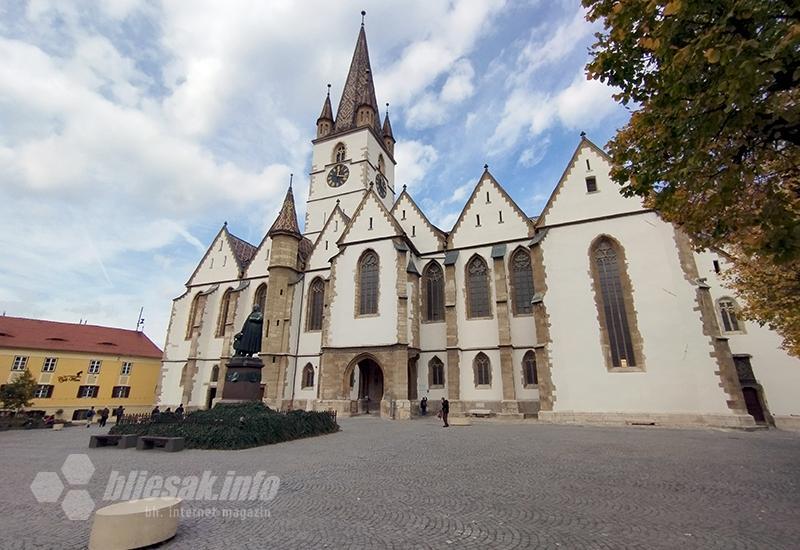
[[382, 484]]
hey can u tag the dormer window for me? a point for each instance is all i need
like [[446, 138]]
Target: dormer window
[[339, 152]]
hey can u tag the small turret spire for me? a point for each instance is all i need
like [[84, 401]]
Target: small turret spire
[[286, 222]]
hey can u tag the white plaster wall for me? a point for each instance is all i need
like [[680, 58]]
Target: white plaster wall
[[310, 392], [776, 371], [491, 229], [201, 384], [258, 267], [468, 390], [219, 265], [348, 330], [679, 373], [530, 393], [475, 332], [573, 202], [423, 390], [415, 226], [170, 383], [321, 255]]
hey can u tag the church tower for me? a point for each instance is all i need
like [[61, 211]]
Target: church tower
[[353, 151]]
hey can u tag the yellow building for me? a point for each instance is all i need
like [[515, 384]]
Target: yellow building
[[80, 366]]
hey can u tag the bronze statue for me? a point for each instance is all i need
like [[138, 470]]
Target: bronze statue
[[248, 342]]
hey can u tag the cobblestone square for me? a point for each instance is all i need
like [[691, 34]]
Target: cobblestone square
[[382, 484]]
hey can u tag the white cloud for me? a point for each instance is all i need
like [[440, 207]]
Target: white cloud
[[414, 160], [459, 84], [534, 154]]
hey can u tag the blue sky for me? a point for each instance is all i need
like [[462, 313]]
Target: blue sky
[[131, 130]]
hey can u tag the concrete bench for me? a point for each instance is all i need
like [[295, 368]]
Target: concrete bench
[[135, 523], [480, 412], [169, 444], [121, 441]]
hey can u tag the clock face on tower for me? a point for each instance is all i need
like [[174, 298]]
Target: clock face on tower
[[380, 183], [338, 175]]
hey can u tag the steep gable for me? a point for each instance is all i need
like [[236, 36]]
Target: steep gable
[[585, 189], [371, 220], [260, 261], [425, 236], [490, 215], [224, 259], [326, 245]]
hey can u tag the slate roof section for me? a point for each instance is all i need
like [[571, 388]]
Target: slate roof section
[[359, 89], [286, 222], [38, 334]]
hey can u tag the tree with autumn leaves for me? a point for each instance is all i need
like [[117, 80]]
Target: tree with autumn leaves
[[713, 143]]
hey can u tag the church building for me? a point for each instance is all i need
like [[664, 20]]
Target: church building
[[596, 310]]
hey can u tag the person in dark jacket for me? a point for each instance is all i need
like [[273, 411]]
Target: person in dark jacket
[[423, 406], [89, 417], [104, 416], [179, 411], [445, 412]]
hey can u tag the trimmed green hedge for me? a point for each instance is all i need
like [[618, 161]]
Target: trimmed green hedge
[[235, 426]]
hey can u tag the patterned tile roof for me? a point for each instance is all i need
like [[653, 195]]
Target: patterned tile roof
[[359, 89], [38, 334], [286, 221], [243, 251]]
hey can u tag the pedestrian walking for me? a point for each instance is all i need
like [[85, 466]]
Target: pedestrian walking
[[423, 406], [445, 412], [104, 417], [89, 417]]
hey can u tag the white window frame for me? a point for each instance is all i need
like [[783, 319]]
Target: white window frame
[[37, 391], [49, 364], [94, 366], [126, 368], [20, 363]]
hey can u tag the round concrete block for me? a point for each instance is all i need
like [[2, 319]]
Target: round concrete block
[[135, 523]]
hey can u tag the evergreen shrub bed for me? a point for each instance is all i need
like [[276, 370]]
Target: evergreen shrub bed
[[235, 426]]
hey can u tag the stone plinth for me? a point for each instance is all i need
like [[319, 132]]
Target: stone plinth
[[242, 380]]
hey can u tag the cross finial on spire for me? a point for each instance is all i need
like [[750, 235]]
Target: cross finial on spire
[[486, 167], [291, 178], [583, 134], [329, 89], [387, 108], [363, 13]]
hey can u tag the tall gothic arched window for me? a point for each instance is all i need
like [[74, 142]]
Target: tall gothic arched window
[[522, 281], [728, 313], [435, 372], [608, 271], [529, 374], [260, 298], [478, 293], [194, 316], [482, 369], [224, 313], [433, 292], [316, 302], [368, 283], [339, 152], [308, 376]]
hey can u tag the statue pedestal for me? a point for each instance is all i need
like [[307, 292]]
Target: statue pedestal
[[243, 380]]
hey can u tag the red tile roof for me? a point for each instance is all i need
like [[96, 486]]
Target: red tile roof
[[17, 332]]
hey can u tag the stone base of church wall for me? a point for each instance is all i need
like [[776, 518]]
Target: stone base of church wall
[[654, 419], [787, 422]]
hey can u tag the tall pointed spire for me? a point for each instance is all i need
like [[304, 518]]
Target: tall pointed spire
[[286, 222], [387, 126], [359, 89]]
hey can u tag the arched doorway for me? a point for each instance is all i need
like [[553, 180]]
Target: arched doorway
[[370, 385]]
